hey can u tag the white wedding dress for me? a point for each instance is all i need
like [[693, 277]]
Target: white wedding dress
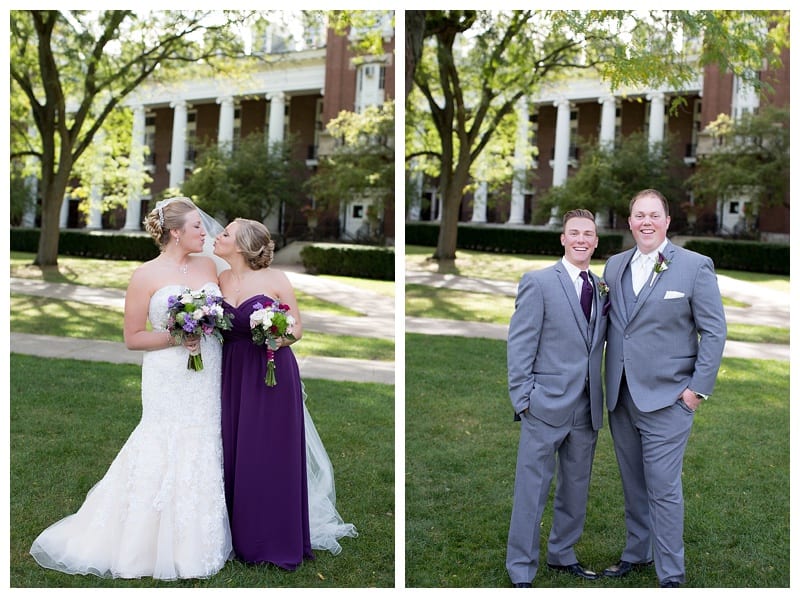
[[326, 527], [159, 511]]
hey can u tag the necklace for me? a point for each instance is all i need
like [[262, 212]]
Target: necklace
[[182, 268]]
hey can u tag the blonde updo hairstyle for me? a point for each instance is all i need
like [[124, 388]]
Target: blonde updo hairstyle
[[166, 216], [253, 240]]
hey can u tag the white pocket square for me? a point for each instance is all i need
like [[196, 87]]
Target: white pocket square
[[673, 295]]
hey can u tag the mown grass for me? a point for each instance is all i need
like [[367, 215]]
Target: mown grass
[[55, 317], [461, 448], [498, 266], [68, 419], [116, 274], [450, 304]]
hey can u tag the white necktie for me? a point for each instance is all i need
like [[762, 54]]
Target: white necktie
[[640, 271]]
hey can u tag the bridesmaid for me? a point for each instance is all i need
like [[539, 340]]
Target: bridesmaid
[[263, 432]]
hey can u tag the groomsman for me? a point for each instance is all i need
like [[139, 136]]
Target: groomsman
[[666, 334], [555, 349]]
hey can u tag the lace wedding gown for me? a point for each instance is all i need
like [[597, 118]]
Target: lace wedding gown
[[159, 511]]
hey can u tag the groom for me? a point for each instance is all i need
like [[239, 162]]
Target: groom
[[555, 348], [666, 333]]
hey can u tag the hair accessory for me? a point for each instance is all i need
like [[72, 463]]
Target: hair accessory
[[160, 207]]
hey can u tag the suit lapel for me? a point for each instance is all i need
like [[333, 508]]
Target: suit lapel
[[597, 304], [648, 288], [572, 298], [621, 302]]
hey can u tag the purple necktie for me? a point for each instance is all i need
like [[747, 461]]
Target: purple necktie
[[586, 296]]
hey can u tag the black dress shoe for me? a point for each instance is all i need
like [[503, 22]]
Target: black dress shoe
[[670, 584], [622, 568], [575, 569]]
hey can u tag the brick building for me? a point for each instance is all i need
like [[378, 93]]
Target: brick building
[[555, 119], [294, 93]]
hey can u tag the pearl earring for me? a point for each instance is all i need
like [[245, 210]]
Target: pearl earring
[[177, 240]]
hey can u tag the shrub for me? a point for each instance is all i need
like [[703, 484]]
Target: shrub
[[750, 256], [357, 261], [501, 239], [90, 244]]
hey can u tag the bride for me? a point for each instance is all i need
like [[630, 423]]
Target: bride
[[159, 511]]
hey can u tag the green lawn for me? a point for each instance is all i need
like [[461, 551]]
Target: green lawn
[[498, 266], [116, 274], [40, 315], [68, 419], [450, 304], [461, 447]]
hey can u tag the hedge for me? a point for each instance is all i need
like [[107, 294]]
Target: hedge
[[501, 239], [109, 246], [357, 261], [750, 256]]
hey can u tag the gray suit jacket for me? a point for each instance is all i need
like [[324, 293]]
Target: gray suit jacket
[[674, 336], [553, 353]]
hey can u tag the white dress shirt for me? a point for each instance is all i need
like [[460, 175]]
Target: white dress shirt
[[642, 266]]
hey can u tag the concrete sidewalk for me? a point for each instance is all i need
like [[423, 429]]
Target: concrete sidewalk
[[765, 307], [328, 368], [377, 321]]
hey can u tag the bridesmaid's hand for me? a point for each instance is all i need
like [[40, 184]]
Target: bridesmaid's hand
[[192, 343]]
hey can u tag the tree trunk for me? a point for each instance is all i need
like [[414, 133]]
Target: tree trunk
[[415, 34], [452, 194], [52, 199], [48, 238]]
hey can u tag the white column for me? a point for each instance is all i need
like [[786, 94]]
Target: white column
[[226, 113], [415, 208], [656, 132], [608, 120], [177, 165], [277, 116], [561, 154], [479, 203], [32, 191], [517, 212], [31, 186], [64, 215], [133, 214], [96, 185]]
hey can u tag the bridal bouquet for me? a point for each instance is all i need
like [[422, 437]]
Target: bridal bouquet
[[267, 325], [196, 313]]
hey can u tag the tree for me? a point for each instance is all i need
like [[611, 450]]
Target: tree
[[476, 65], [415, 34], [249, 181], [749, 157], [74, 68], [609, 177], [362, 162]]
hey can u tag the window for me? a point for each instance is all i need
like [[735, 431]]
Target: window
[[358, 211]]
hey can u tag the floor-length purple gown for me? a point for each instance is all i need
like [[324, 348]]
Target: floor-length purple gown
[[263, 443]]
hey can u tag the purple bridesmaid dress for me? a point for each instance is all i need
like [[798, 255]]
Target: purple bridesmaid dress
[[263, 443]]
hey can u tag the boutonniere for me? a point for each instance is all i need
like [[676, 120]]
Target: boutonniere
[[602, 288], [661, 264]]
